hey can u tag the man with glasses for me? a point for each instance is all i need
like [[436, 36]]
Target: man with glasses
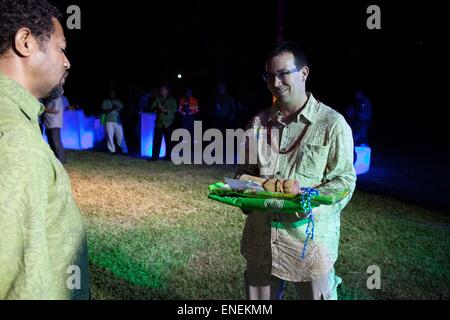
[[314, 146]]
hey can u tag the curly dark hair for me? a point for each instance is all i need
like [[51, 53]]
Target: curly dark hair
[[33, 14]]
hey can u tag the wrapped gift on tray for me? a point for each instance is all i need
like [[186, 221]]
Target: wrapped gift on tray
[[249, 195]]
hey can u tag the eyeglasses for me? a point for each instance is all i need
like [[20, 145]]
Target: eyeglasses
[[268, 76]]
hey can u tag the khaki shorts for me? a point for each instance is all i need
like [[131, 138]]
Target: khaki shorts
[[324, 288]]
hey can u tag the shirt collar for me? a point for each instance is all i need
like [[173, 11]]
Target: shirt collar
[[309, 112], [29, 105]]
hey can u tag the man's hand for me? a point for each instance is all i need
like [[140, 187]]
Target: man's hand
[[282, 185], [316, 213]]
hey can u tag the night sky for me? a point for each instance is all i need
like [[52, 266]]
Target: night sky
[[140, 44]]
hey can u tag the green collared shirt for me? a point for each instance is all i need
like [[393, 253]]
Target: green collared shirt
[[164, 119], [317, 151], [43, 249]]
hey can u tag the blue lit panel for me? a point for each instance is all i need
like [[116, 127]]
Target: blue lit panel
[[90, 132], [80, 132], [87, 140], [362, 164], [147, 131], [70, 133], [100, 131]]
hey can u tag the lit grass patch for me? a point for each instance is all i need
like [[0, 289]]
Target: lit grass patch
[[145, 256], [154, 234]]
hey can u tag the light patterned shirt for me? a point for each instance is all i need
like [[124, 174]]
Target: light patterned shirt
[[112, 107], [43, 249], [316, 149]]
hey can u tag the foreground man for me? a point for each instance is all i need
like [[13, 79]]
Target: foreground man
[[315, 148], [43, 252]]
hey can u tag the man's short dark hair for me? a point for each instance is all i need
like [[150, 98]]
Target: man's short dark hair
[[290, 47], [35, 15]]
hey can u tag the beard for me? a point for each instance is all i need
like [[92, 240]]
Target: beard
[[55, 93], [57, 90]]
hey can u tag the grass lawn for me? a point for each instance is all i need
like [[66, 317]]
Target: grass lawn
[[154, 234]]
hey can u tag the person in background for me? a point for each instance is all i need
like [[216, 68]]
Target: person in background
[[53, 121], [188, 108], [113, 106], [359, 117], [165, 107], [224, 108], [363, 108]]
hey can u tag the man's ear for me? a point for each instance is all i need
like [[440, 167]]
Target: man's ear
[[304, 73], [24, 42]]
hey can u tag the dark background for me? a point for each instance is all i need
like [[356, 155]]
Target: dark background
[[136, 45]]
